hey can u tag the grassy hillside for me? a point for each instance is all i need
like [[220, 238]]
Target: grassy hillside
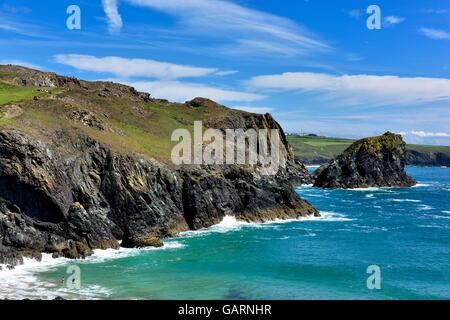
[[129, 123], [320, 149], [116, 115]]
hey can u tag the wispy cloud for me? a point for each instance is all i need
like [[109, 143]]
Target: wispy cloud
[[232, 23], [354, 90], [10, 23], [438, 11], [393, 20], [7, 27], [112, 13], [16, 9], [261, 110], [435, 34], [126, 67], [355, 14], [424, 134], [226, 73], [182, 91]]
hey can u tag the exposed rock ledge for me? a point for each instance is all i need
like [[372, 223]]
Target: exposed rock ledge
[[370, 162], [71, 195]]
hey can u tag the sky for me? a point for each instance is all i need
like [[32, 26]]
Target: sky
[[313, 64]]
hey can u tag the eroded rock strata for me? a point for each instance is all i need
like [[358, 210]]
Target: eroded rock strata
[[370, 162], [64, 192]]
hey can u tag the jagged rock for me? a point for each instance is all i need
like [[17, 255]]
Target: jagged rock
[[76, 195], [87, 118], [370, 162], [12, 111], [416, 158], [65, 193]]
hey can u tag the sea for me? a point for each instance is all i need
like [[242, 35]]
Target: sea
[[401, 233]]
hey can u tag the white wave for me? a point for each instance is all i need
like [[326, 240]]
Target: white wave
[[370, 195], [230, 223], [438, 217], [437, 226], [424, 207], [313, 166], [23, 282], [406, 200], [447, 212], [101, 255], [328, 216], [365, 189], [305, 186], [373, 189], [421, 185], [314, 195], [368, 229]]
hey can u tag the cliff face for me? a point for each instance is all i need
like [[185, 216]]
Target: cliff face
[[416, 158], [370, 162], [66, 189]]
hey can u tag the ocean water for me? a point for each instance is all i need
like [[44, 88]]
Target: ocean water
[[404, 231]]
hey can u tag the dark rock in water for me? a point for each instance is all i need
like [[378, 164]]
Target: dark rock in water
[[370, 162]]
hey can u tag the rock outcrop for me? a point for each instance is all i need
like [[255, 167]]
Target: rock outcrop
[[416, 158], [64, 192], [74, 195], [370, 162]]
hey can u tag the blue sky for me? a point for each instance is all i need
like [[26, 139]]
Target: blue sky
[[313, 64]]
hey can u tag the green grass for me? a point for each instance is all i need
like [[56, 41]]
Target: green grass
[[130, 126], [311, 149], [13, 94]]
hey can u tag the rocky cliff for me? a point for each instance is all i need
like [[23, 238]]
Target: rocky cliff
[[417, 158], [83, 165], [371, 162]]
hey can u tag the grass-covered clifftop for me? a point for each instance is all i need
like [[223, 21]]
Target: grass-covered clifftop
[[114, 114], [318, 150]]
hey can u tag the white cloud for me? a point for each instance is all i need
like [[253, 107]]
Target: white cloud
[[125, 67], [435, 34], [353, 90], [424, 134], [355, 14], [438, 11], [392, 20], [7, 27], [241, 26], [260, 110], [182, 91], [15, 9], [226, 73], [112, 13]]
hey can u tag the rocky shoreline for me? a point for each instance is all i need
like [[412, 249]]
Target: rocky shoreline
[[65, 193]]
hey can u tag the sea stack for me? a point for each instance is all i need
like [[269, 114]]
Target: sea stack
[[370, 162]]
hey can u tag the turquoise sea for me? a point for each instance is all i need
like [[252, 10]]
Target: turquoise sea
[[404, 231]]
